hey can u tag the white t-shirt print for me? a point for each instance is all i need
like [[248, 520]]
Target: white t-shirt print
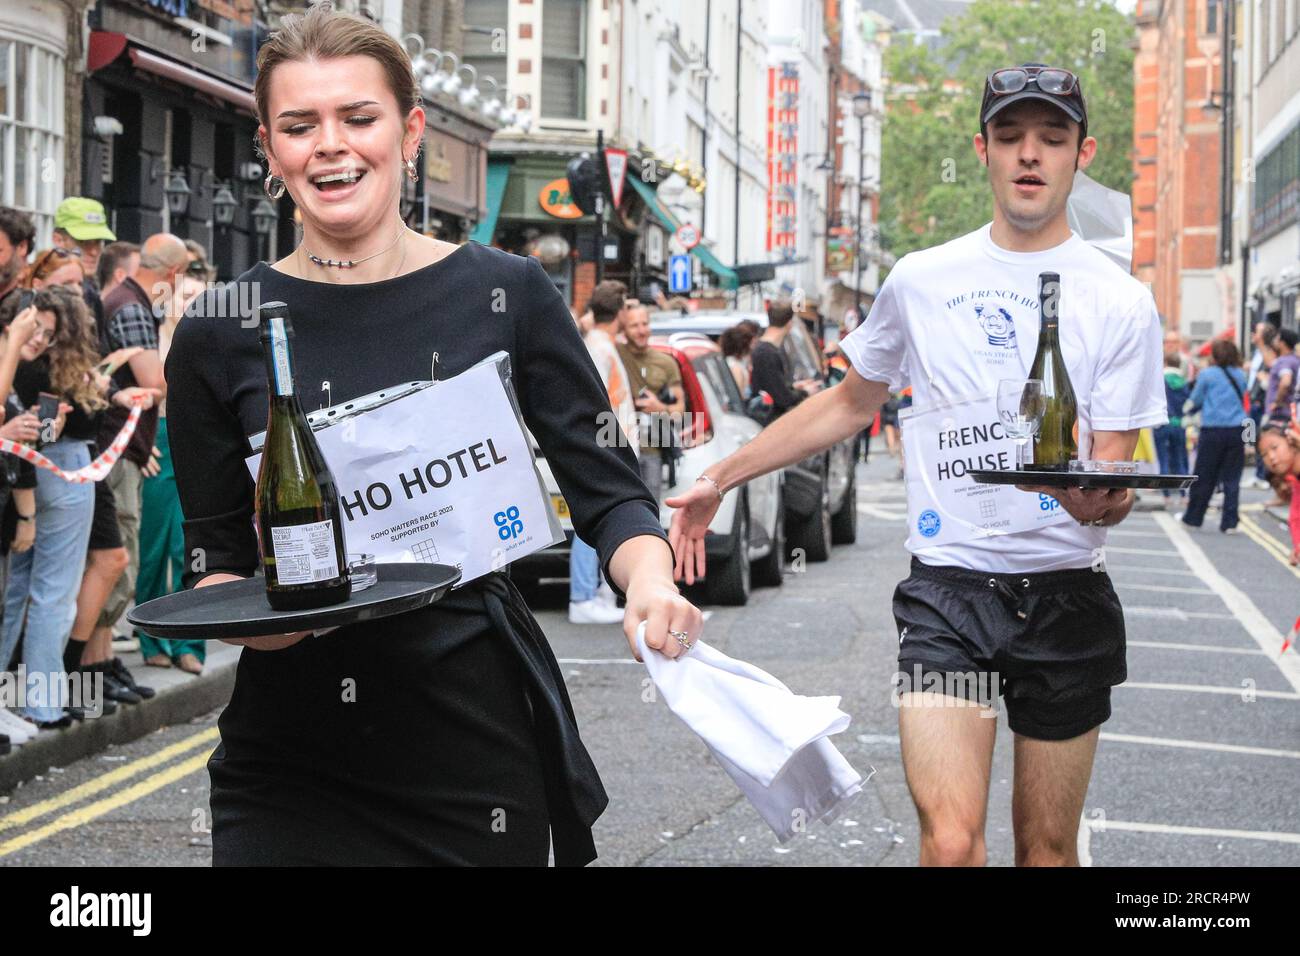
[[953, 320]]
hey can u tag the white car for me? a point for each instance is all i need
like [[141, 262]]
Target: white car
[[746, 540], [820, 492]]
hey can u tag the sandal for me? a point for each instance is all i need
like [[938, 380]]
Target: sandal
[[158, 660], [190, 664]]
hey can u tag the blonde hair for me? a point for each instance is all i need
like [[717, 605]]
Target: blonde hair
[[323, 33]]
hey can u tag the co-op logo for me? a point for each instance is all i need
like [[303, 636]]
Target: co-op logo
[[508, 523], [928, 523]]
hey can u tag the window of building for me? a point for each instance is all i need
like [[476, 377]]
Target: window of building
[[564, 51], [1211, 16], [1277, 186], [486, 39], [31, 131]]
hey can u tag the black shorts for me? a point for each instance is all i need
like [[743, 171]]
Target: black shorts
[[1051, 643], [104, 530]]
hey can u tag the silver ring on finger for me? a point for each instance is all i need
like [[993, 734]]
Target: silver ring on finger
[[681, 637]]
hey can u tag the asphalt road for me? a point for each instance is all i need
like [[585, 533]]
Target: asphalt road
[[1198, 766]]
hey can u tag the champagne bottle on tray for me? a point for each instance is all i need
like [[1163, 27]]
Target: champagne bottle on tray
[[1056, 443], [304, 554]]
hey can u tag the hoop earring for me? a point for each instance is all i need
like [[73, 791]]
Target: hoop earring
[[412, 172], [273, 192]]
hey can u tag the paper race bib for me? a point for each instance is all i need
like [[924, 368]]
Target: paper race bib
[[443, 474], [941, 444]]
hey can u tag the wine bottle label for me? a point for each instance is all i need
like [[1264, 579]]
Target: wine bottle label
[[280, 355], [305, 553]]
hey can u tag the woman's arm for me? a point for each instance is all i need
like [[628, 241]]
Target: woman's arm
[[564, 405]]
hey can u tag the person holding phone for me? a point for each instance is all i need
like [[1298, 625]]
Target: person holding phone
[[58, 354]]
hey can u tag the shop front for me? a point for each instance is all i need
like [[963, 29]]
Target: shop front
[[169, 128]]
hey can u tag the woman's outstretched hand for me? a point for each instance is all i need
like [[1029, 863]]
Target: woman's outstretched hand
[[658, 602], [695, 509]]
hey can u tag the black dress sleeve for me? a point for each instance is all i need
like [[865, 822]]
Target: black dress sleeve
[[208, 450], [565, 405]]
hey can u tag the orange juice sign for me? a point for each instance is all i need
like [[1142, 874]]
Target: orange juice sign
[[556, 200]]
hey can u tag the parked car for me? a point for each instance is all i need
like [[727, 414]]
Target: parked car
[[820, 492], [746, 540]]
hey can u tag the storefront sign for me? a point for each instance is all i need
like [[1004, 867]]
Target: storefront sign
[[556, 200]]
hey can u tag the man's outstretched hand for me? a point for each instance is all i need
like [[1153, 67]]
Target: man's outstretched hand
[[695, 509]]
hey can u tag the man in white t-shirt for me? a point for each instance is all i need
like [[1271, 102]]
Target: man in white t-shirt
[[1008, 594]]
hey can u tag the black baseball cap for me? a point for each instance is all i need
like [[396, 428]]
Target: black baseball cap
[[1070, 103]]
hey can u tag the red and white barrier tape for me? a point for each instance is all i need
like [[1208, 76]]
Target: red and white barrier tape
[[96, 470]]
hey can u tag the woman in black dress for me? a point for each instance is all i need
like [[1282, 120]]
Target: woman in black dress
[[443, 735]]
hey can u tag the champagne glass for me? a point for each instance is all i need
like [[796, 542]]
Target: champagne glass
[[1021, 405]]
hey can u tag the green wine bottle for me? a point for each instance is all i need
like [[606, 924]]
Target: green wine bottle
[[1056, 442], [304, 554]]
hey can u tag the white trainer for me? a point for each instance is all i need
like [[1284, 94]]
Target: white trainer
[[594, 611], [15, 728]]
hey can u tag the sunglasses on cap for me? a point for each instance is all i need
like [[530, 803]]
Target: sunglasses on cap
[[1052, 80]]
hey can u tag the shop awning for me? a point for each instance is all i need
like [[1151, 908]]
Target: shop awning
[[703, 253], [498, 173]]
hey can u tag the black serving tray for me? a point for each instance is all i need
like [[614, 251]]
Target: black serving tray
[[1079, 479], [240, 608]]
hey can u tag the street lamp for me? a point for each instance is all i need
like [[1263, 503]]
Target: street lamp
[[177, 191], [264, 217], [861, 109], [223, 206]]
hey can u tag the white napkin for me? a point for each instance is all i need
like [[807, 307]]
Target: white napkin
[[771, 741]]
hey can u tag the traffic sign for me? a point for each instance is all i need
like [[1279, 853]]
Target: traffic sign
[[616, 166], [688, 237], [679, 274]]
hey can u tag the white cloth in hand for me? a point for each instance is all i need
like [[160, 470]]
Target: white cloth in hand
[[771, 741]]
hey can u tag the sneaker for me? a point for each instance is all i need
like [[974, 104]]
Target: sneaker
[[123, 674], [60, 724], [18, 731], [124, 644], [1232, 530], [605, 595], [5, 746], [594, 611]]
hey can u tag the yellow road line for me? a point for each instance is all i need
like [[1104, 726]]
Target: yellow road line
[[95, 810], [27, 814], [1270, 544]]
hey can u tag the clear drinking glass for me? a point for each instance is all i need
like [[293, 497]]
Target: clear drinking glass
[[362, 571], [1021, 405]]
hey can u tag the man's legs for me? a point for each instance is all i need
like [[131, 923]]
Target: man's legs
[[947, 756], [1051, 782]]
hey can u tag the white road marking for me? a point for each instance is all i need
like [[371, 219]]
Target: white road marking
[[597, 660], [1162, 588], [1112, 568], [1174, 646], [1176, 613], [1275, 836], [1084, 843], [1252, 619], [1211, 689], [1200, 745], [1147, 551], [874, 512], [1125, 533]]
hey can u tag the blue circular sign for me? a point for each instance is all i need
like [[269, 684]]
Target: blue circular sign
[[928, 524]]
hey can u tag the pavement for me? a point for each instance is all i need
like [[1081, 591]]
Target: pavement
[[1197, 766]]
